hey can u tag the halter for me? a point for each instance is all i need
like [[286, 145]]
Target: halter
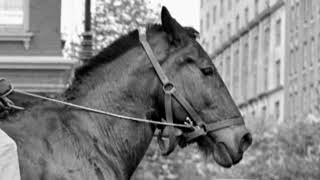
[[196, 125], [200, 128]]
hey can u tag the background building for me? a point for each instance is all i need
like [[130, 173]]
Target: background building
[[303, 65], [266, 53], [30, 45]]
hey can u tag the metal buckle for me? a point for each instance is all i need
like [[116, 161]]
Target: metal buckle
[[189, 122], [168, 88]]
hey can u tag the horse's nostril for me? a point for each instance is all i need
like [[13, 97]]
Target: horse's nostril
[[245, 142]]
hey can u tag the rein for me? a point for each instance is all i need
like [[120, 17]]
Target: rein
[[100, 111], [194, 122]]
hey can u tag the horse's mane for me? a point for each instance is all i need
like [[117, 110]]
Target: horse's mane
[[108, 54]]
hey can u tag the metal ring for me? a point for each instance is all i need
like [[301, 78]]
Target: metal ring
[[168, 88]]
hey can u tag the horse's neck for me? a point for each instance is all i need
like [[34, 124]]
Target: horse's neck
[[119, 141]]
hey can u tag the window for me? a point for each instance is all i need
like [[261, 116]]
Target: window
[[297, 14], [255, 48], [236, 74], [266, 72], [305, 100], [221, 8], [278, 32], [213, 43], [296, 104], [245, 70], [13, 16], [214, 14], [267, 3], [208, 22], [277, 109], [278, 73], [228, 66], [312, 77], [229, 5], [221, 67], [229, 30], [292, 17], [291, 62], [201, 26], [313, 51], [256, 7], [266, 59], [318, 48], [264, 113], [290, 106], [312, 8], [237, 23], [304, 10], [296, 60], [14, 21], [305, 54], [267, 40], [246, 15], [221, 36], [313, 98]]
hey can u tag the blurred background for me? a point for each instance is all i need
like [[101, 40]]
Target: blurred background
[[267, 52]]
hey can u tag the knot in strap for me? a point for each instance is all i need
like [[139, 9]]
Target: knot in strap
[[5, 103], [5, 87]]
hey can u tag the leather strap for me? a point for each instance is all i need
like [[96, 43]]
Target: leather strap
[[162, 76], [224, 123], [200, 128], [165, 81], [167, 149], [5, 87], [188, 137], [169, 89], [190, 110]]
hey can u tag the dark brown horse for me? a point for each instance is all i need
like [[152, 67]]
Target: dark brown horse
[[56, 142]]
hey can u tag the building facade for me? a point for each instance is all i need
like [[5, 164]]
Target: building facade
[[254, 44], [303, 64], [30, 46]]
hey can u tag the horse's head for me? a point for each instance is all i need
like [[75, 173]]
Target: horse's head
[[194, 75]]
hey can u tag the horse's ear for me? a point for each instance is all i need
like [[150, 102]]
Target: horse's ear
[[172, 27]]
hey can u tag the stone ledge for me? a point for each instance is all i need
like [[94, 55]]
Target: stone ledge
[[47, 74], [24, 37]]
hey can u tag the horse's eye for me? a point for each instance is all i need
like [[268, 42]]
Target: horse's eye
[[189, 60], [207, 71]]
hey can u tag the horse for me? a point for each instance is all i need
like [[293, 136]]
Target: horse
[[57, 142]]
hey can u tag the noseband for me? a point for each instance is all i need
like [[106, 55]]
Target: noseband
[[200, 128]]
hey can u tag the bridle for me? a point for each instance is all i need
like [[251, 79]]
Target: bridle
[[200, 128], [194, 123]]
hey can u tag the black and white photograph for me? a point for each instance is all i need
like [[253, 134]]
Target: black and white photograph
[[159, 89]]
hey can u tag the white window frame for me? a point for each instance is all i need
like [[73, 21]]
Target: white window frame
[[16, 35]]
